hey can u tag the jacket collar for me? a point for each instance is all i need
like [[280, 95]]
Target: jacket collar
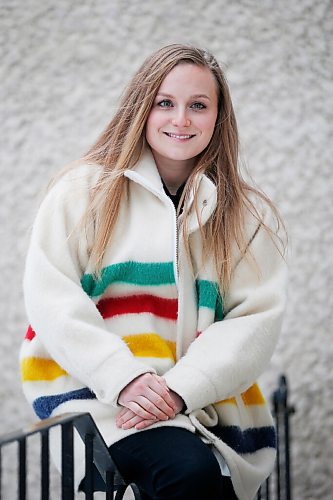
[[146, 174]]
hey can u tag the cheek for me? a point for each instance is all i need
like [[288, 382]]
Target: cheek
[[154, 126], [149, 127], [154, 122], [208, 125]]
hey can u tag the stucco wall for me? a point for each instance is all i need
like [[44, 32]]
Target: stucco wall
[[63, 67]]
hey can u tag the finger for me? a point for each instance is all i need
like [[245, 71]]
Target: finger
[[123, 412], [131, 422], [127, 415], [161, 380], [162, 390], [151, 408], [143, 424], [139, 410], [163, 393], [159, 404]]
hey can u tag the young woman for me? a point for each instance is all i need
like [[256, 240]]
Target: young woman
[[155, 287]]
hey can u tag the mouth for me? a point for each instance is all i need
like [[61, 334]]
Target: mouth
[[181, 137]]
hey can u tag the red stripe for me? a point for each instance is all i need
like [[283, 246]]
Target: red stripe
[[30, 333], [136, 304]]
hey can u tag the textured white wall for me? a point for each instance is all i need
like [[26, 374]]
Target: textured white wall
[[63, 67]]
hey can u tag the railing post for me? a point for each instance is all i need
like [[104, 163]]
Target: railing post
[[289, 410], [0, 472], [109, 477], [267, 482], [22, 451], [67, 467], [282, 412], [45, 465], [89, 478]]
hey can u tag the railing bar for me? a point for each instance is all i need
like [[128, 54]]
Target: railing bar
[[45, 465], [15, 436], [0, 472], [287, 451], [120, 492], [109, 485], [89, 478], [267, 489], [283, 486], [22, 452], [67, 467], [278, 468]]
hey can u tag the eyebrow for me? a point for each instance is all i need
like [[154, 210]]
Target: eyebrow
[[195, 96]]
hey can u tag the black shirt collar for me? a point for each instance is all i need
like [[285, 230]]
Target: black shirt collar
[[175, 198]]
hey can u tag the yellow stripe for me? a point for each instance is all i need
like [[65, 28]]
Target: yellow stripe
[[252, 396], [150, 345], [33, 369], [230, 401]]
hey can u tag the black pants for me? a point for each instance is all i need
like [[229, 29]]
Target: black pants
[[169, 463]]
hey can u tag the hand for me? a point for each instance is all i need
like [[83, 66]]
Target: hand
[[148, 397], [127, 419], [177, 400]]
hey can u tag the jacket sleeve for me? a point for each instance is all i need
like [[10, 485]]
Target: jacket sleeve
[[229, 355], [63, 316]]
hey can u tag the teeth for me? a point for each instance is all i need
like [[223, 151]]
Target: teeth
[[176, 136]]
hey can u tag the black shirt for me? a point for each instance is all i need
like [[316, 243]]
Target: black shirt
[[175, 198]]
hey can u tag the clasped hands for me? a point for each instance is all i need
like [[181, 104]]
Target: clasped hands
[[147, 400]]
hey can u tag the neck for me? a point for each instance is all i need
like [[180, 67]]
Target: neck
[[174, 173]]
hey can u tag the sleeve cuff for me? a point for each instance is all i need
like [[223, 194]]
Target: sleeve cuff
[[192, 385], [110, 380]]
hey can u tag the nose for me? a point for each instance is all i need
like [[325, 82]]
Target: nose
[[180, 119]]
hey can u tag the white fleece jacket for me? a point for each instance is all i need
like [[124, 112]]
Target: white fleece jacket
[[89, 338]]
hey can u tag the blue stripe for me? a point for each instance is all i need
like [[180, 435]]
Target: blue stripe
[[45, 405], [248, 440]]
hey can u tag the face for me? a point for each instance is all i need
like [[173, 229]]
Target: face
[[182, 119]]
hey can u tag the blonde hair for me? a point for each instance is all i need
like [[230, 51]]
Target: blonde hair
[[121, 144]]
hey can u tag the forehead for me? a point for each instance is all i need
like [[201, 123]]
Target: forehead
[[190, 78]]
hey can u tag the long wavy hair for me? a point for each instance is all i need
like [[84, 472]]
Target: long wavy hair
[[122, 142]]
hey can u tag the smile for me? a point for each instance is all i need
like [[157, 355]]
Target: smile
[[179, 136]]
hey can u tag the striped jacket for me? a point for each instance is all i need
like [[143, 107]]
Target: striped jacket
[[149, 312]]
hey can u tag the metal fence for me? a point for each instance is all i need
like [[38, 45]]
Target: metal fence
[[277, 486]]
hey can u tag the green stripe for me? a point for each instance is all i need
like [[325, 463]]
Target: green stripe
[[209, 296], [135, 273]]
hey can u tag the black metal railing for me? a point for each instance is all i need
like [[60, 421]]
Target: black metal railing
[[277, 486], [96, 452]]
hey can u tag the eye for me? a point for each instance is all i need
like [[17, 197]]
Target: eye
[[198, 106], [165, 103]]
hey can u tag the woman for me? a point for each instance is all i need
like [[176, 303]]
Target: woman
[[155, 287]]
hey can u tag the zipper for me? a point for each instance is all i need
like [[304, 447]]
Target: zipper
[[175, 260]]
